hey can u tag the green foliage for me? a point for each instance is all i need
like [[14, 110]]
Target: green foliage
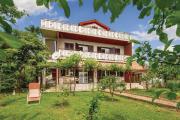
[[62, 4], [23, 64], [8, 15], [93, 108], [173, 85], [33, 29], [65, 92], [178, 105], [148, 77], [110, 82], [155, 57], [70, 62], [90, 64], [8, 41], [169, 94]]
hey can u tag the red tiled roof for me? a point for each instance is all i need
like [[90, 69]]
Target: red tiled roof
[[96, 22]]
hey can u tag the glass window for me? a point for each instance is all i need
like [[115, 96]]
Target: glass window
[[69, 46]]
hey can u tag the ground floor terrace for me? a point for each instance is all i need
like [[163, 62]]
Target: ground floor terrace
[[87, 80]]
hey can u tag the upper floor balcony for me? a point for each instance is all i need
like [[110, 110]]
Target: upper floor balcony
[[60, 54], [81, 30]]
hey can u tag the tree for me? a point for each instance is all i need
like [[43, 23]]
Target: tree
[[33, 29], [116, 68], [71, 62], [110, 82], [148, 77], [25, 61], [8, 15], [93, 108], [90, 65]]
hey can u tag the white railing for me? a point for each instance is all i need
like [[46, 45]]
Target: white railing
[[98, 56], [64, 27]]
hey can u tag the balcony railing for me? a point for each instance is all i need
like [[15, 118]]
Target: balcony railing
[[64, 27], [98, 56]]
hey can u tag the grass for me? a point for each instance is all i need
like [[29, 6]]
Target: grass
[[151, 93], [16, 108]]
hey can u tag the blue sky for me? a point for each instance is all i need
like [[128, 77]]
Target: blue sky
[[127, 22]]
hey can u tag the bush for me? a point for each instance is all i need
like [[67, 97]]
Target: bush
[[173, 85], [178, 105], [93, 109]]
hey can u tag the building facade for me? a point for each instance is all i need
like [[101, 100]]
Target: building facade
[[90, 39]]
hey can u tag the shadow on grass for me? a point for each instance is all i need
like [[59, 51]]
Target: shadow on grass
[[21, 116], [2, 117], [61, 103], [9, 101], [33, 116], [108, 98], [114, 117]]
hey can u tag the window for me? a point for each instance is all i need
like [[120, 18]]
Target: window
[[103, 50], [85, 48], [69, 46], [108, 50], [117, 51]]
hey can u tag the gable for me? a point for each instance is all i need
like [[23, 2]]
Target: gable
[[94, 24]]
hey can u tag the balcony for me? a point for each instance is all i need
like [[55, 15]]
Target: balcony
[[98, 56], [69, 28]]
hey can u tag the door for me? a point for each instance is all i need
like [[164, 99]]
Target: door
[[83, 77]]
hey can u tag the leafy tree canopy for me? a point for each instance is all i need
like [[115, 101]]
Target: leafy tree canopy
[[8, 15]]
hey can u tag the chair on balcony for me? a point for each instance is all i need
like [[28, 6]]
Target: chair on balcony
[[34, 93]]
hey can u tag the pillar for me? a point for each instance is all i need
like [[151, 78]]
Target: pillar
[[95, 76], [44, 77]]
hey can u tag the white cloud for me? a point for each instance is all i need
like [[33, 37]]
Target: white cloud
[[54, 15], [30, 7], [142, 34]]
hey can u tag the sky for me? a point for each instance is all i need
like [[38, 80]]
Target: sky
[[127, 22]]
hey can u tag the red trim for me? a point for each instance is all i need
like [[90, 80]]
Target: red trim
[[96, 22], [128, 49]]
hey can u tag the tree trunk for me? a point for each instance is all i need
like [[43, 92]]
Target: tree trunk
[[147, 86], [129, 79], [74, 81], [19, 81]]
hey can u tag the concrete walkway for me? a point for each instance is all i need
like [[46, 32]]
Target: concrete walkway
[[162, 102]]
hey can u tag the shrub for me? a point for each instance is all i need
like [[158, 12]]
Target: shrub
[[173, 85], [178, 105], [93, 108]]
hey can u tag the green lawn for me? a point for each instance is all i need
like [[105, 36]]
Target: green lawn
[[150, 92], [16, 108]]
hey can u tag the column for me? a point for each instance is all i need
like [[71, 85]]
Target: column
[[95, 76], [44, 77]]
